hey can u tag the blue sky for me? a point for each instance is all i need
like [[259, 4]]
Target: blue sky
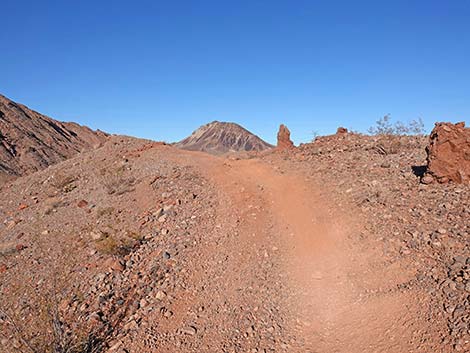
[[159, 69]]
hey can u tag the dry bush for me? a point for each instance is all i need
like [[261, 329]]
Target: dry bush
[[108, 245], [62, 340], [105, 211], [117, 185], [315, 134], [54, 337], [388, 144], [384, 126], [65, 183], [134, 235], [33, 321]]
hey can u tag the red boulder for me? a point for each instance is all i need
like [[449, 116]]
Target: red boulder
[[449, 153], [341, 131]]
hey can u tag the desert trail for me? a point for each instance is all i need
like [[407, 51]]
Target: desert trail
[[139, 246]]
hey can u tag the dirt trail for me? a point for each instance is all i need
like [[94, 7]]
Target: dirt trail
[[176, 251], [332, 292]]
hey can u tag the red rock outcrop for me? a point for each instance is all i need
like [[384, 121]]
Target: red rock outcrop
[[341, 131], [449, 153], [283, 138]]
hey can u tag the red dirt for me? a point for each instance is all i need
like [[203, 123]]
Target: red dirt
[[327, 305], [180, 251]]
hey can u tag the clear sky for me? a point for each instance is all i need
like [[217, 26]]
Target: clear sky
[[159, 69]]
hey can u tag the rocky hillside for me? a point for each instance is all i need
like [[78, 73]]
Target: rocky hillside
[[333, 246], [96, 237], [30, 141], [425, 225], [221, 137]]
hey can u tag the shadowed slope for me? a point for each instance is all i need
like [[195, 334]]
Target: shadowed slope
[[30, 141]]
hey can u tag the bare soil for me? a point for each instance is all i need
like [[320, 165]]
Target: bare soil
[[146, 248]]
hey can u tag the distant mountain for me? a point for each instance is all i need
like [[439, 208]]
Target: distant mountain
[[30, 141], [221, 137]]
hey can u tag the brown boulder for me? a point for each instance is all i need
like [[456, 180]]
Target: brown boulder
[[20, 247], [449, 153], [341, 131], [3, 268], [283, 138], [82, 203]]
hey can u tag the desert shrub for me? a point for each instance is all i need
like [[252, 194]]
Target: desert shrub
[[55, 336], [388, 144], [61, 339], [384, 126], [65, 183], [134, 235], [315, 134], [107, 245], [105, 211], [119, 185], [111, 245]]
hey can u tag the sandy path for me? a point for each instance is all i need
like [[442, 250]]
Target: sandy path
[[333, 297]]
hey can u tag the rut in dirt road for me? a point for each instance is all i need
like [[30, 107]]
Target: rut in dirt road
[[332, 292]]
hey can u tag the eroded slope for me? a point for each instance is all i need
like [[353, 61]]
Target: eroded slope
[[30, 141]]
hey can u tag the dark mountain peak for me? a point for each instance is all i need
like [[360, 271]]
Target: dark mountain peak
[[219, 137]]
